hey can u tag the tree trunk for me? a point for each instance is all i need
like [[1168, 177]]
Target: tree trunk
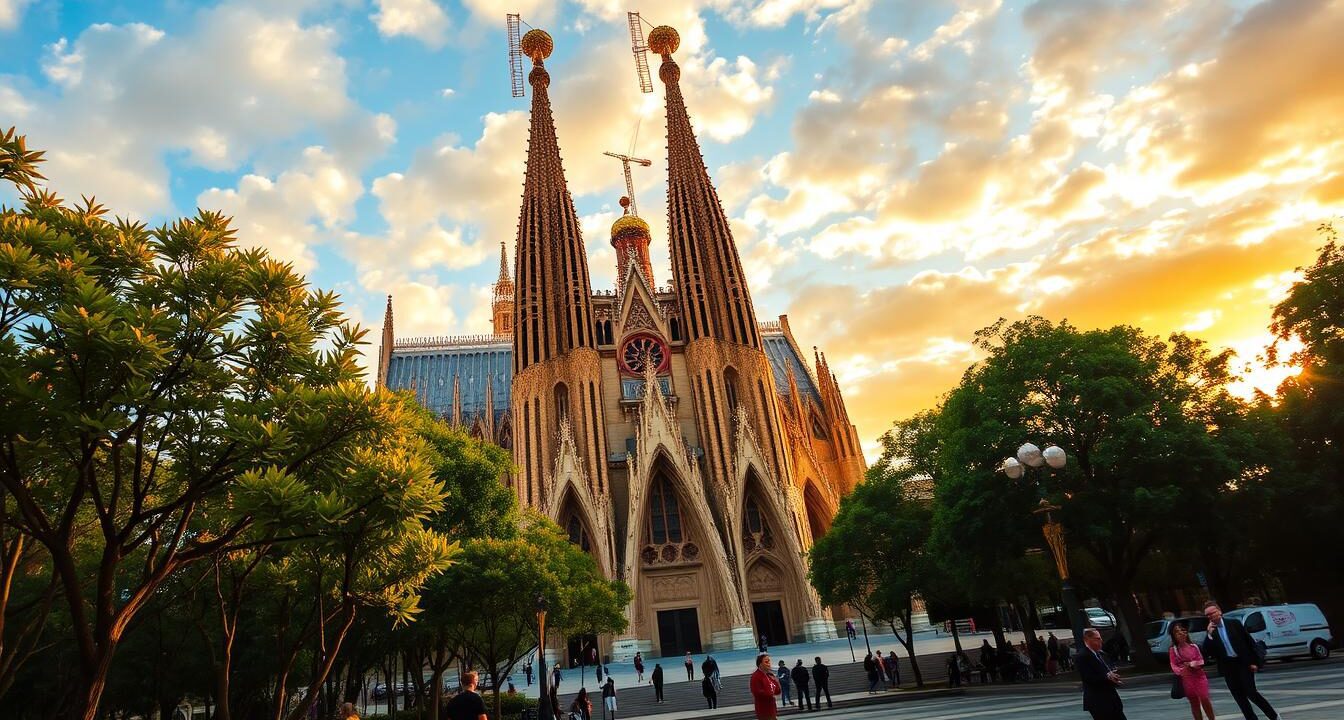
[[999, 639], [956, 636], [436, 693], [1128, 619], [909, 642], [315, 688]]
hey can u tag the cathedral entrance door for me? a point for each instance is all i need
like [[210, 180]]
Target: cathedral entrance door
[[769, 617], [678, 632]]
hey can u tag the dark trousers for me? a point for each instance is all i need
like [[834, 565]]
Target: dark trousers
[[1241, 683], [1108, 715], [804, 697], [713, 700], [823, 687], [658, 691], [690, 672]]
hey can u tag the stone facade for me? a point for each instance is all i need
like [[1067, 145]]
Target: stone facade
[[691, 449]]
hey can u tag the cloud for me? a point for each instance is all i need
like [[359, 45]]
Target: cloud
[[1264, 108], [291, 213], [11, 13], [423, 20], [122, 98]]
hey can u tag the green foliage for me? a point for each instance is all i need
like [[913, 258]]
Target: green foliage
[[174, 399], [1309, 487], [873, 557]]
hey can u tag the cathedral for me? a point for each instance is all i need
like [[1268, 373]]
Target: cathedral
[[690, 448]]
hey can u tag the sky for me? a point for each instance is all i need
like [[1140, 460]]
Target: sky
[[898, 174]]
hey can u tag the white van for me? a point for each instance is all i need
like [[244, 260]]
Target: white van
[[1287, 630]]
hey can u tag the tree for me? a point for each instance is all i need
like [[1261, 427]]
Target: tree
[[1143, 421], [496, 581], [174, 399], [1310, 411], [873, 556]]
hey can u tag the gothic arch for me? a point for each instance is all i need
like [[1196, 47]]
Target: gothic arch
[[818, 513]]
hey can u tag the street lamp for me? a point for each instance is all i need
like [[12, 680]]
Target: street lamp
[[1029, 457], [544, 709]]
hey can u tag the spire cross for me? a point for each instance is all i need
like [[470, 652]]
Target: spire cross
[[629, 182]]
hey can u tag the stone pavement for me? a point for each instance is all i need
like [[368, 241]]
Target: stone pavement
[[743, 662], [848, 682]]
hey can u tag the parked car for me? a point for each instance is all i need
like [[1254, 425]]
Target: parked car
[[1099, 618], [1287, 630], [1158, 635]]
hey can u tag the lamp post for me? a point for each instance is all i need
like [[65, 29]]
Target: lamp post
[[1029, 457], [544, 709]]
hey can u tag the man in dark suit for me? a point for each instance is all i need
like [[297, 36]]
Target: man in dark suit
[[1099, 680], [1234, 649]]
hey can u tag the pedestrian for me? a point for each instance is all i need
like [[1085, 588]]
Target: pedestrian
[[527, 672], [821, 675], [639, 667], [714, 672], [1239, 659], [555, 676], [764, 687], [800, 686], [512, 690], [892, 667], [1188, 663], [1100, 697], [582, 705], [657, 678], [849, 629], [711, 695], [988, 662], [785, 683], [348, 712], [597, 672], [1052, 645], [690, 667], [467, 705], [609, 697], [870, 667]]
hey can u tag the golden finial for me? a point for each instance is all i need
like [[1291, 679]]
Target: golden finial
[[664, 40], [625, 204], [537, 45]]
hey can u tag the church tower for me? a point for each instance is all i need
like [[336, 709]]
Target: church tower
[[724, 353], [501, 305], [559, 445]]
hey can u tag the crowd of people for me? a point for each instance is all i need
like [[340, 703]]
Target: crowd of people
[[775, 687]]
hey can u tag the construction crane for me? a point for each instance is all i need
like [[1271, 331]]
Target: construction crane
[[629, 182], [641, 50], [512, 21]]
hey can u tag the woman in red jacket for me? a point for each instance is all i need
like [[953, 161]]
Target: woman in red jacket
[[764, 688]]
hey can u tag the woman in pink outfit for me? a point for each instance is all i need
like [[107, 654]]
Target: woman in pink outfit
[[1188, 662]]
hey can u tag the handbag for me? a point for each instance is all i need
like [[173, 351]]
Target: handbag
[[1177, 688]]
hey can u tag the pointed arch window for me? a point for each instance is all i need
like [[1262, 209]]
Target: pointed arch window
[[730, 387], [577, 536], [561, 404], [755, 522], [664, 513]]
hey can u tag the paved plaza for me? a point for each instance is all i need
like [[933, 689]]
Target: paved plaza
[[1300, 691]]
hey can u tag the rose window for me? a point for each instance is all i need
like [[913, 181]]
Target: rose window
[[641, 351]]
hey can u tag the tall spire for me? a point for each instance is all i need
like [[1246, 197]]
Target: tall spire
[[553, 312], [708, 271], [385, 347], [501, 305]]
